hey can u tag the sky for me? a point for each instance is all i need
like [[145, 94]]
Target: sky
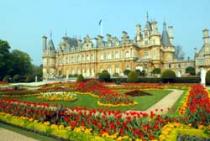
[[24, 22]]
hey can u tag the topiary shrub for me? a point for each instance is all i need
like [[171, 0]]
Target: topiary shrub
[[168, 76], [208, 78], [80, 78], [126, 72], [132, 76], [104, 76], [190, 70]]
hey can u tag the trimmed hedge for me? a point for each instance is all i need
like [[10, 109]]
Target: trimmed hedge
[[208, 77], [158, 80]]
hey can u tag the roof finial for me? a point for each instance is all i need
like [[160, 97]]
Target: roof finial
[[147, 16]]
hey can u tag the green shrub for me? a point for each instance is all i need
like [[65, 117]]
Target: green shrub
[[80, 78], [156, 71], [116, 75], [126, 72], [6, 78], [132, 76], [208, 78], [168, 76], [104, 76], [190, 70]]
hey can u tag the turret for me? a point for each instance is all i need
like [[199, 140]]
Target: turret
[[165, 40], [138, 33], [206, 36], [44, 43], [170, 33], [49, 59]]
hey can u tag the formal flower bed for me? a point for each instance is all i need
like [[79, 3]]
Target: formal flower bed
[[58, 96], [107, 97], [38, 111], [197, 106], [57, 131], [133, 124], [69, 123], [113, 100], [177, 131]]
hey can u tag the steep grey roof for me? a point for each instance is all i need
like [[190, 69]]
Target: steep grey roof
[[165, 40], [50, 45], [72, 42]]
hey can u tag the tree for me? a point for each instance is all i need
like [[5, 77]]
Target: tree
[[22, 64], [126, 72], [104, 76], [168, 76], [5, 62], [132, 76], [190, 70], [179, 54]]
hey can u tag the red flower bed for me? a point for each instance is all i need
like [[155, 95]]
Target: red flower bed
[[38, 111], [133, 124], [106, 95], [95, 87], [198, 106]]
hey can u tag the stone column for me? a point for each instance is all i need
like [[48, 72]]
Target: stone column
[[203, 76]]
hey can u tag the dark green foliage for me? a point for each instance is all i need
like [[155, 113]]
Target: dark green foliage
[[126, 72], [17, 65], [208, 78], [80, 78], [168, 76], [104, 76], [7, 78], [115, 75], [187, 80], [190, 70], [132, 77], [156, 71], [16, 78]]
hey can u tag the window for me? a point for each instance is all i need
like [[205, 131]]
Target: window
[[127, 54], [117, 55]]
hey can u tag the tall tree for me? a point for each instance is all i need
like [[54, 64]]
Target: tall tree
[[179, 53], [21, 63], [5, 61]]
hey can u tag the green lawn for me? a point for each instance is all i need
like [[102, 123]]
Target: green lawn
[[144, 102]]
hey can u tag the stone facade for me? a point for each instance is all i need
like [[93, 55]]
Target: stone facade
[[148, 50]]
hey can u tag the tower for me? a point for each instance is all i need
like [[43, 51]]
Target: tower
[[48, 58], [168, 48], [170, 33], [138, 33]]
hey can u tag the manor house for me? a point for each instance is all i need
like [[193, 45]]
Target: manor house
[[148, 50]]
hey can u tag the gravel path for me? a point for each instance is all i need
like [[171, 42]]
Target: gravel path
[[166, 102], [7, 135]]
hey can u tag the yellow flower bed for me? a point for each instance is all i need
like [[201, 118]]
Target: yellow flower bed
[[58, 96], [116, 105], [87, 93], [171, 130]]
